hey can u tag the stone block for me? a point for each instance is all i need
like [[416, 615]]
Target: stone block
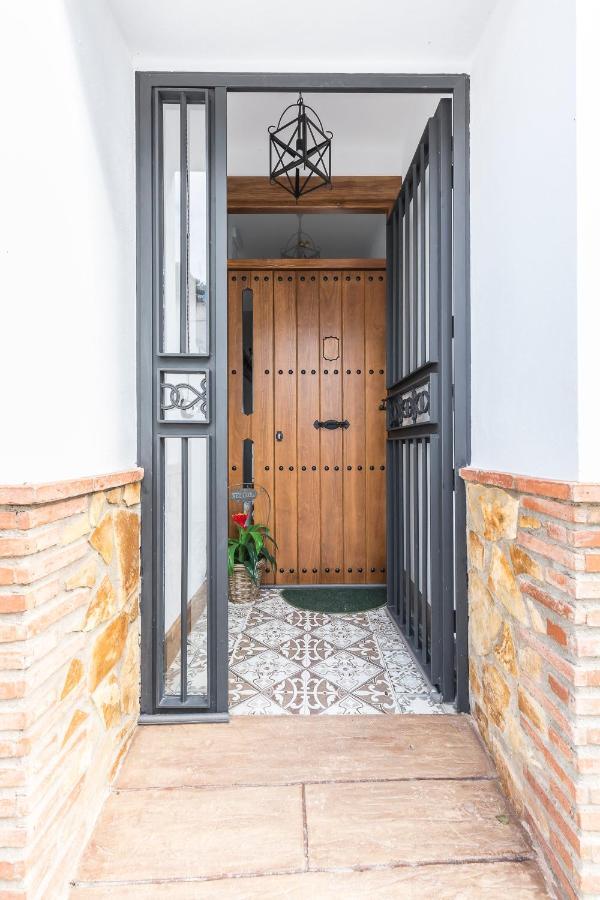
[[484, 618], [102, 538], [103, 605], [505, 650], [523, 564], [73, 677], [493, 513], [503, 585], [107, 698], [496, 694], [127, 534], [107, 650], [132, 493], [476, 551]]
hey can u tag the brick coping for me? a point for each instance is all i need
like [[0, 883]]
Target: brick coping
[[29, 494], [573, 491]]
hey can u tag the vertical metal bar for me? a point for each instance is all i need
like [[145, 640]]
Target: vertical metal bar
[[184, 566], [147, 110], [462, 367], [414, 324], [436, 538], [391, 254], [417, 546], [435, 478], [422, 224], [399, 280], [444, 112], [407, 533], [183, 224], [218, 615], [405, 368], [390, 478], [425, 554]]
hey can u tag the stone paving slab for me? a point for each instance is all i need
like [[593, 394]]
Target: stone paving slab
[[274, 750], [409, 823], [162, 834], [405, 807], [497, 881]]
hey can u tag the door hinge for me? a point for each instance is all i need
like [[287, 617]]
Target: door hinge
[[452, 326]]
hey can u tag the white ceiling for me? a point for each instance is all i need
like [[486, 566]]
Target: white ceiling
[[373, 134], [316, 35]]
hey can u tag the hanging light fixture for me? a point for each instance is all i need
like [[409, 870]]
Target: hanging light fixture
[[300, 245], [299, 150]]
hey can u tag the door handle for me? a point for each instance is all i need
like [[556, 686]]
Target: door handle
[[332, 424]]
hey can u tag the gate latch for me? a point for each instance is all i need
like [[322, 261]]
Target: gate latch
[[331, 424]]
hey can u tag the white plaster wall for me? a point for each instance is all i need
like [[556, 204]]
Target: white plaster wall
[[523, 241], [67, 258], [588, 255]]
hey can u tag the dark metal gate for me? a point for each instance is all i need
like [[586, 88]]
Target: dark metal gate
[[182, 330], [422, 533]]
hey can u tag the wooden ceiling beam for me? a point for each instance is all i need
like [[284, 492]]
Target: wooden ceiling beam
[[348, 193]]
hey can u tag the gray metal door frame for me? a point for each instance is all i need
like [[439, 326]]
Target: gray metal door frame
[[148, 87]]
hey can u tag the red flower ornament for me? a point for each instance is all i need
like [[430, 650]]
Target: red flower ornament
[[240, 519]]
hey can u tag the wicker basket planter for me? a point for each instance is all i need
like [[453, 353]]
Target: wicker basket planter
[[241, 587]]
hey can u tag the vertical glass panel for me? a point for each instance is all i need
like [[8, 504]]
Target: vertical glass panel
[[172, 566], [197, 315], [189, 558], [185, 239], [247, 358], [197, 563], [171, 229]]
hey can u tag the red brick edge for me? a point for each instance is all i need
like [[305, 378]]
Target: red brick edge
[[28, 494], [574, 491]]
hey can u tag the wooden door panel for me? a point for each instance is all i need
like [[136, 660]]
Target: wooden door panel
[[262, 417], [286, 505], [309, 477], [332, 495], [239, 425], [375, 308], [326, 487], [353, 344]]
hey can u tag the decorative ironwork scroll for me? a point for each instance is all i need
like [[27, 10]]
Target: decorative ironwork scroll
[[184, 400], [410, 407]]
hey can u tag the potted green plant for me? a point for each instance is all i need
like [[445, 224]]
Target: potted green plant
[[247, 555]]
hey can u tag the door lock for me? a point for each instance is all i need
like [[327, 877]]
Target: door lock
[[279, 435]]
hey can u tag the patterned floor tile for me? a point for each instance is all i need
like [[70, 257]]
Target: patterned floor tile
[[266, 669], [341, 633], [346, 670], [285, 661], [274, 632]]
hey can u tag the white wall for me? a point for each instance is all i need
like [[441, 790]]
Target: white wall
[[67, 262], [523, 241], [588, 255]]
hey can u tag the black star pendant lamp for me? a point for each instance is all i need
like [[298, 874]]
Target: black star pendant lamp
[[299, 150]]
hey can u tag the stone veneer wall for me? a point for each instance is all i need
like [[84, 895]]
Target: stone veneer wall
[[69, 668], [534, 636]]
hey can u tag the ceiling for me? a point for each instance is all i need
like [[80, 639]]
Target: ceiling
[[373, 134], [337, 35]]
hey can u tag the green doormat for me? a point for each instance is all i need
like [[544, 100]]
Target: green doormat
[[335, 600]]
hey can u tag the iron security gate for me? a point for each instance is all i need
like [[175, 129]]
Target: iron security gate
[[419, 405], [182, 383]]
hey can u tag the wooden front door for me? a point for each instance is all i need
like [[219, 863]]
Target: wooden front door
[[307, 351]]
